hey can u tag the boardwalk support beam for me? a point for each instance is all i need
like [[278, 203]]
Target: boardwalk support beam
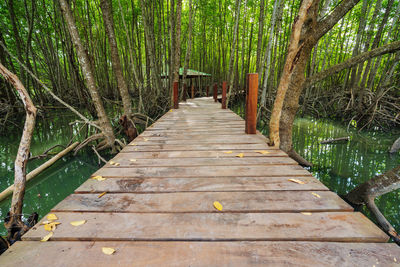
[[223, 102], [176, 95], [251, 103], [215, 92]]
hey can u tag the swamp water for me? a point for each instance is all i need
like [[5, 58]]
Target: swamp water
[[340, 167]]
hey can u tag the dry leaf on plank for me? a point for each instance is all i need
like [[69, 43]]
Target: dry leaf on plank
[[47, 237], [217, 205], [108, 251], [77, 223], [297, 181]]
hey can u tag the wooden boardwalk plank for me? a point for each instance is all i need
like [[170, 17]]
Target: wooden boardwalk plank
[[159, 204], [220, 184], [125, 161], [324, 226], [232, 254], [203, 171], [198, 202]]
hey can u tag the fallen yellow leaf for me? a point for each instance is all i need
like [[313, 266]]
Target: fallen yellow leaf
[[52, 217], [170, 110], [395, 260], [133, 160], [132, 144], [77, 223], [217, 205], [145, 139], [228, 152], [51, 226], [47, 237], [135, 149], [240, 155], [306, 213], [297, 181], [98, 178], [264, 152], [102, 194], [111, 162], [108, 251], [45, 222], [315, 194], [48, 227], [116, 164]]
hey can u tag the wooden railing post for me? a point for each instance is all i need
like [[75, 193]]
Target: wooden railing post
[[192, 91], [207, 89], [176, 95], [184, 92], [251, 103], [215, 92], [223, 102]]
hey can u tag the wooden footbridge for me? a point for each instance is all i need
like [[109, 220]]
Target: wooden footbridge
[[158, 209]]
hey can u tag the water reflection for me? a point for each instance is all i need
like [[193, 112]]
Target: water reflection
[[55, 183], [343, 166]]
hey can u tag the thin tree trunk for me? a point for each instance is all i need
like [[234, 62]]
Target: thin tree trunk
[[259, 39], [232, 54], [106, 8], [83, 58], [15, 226], [267, 59], [189, 46]]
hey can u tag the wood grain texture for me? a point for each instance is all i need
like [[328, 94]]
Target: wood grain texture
[[211, 254], [324, 226], [199, 202], [203, 171], [220, 184], [159, 204]]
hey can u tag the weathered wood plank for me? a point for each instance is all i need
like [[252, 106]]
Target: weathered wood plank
[[212, 254], [198, 202], [221, 184], [324, 226], [129, 160], [195, 147], [203, 171], [202, 138], [200, 154]]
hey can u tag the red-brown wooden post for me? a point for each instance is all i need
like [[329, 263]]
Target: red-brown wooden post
[[176, 95], [184, 92], [215, 92], [223, 102], [207, 89], [251, 103], [192, 91]]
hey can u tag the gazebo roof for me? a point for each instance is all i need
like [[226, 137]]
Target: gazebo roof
[[190, 74]]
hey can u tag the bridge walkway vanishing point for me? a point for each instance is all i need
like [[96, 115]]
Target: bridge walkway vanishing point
[[158, 209]]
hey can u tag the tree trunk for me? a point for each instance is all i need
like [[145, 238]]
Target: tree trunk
[[106, 8], [267, 59], [15, 226], [366, 193], [84, 61], [259, 39], [305, 33], [188, 49], [232, 55], [177, 45]]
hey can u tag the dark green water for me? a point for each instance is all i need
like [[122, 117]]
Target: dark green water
[[341, 167], [55, 183]]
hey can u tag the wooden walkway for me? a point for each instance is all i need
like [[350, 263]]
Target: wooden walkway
[[158, 209]]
